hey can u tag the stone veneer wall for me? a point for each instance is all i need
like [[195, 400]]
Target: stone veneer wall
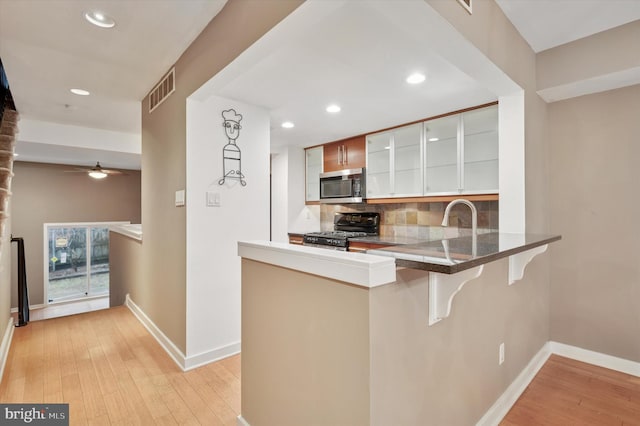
[[8, 130], [416, 220]]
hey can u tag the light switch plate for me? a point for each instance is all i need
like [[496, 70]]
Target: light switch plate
[[213, 199], [180, 198]]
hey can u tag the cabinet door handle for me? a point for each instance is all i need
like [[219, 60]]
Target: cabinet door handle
[[339, 155], [345, 154]]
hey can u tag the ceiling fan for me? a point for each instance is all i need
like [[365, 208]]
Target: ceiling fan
[[97, 172]]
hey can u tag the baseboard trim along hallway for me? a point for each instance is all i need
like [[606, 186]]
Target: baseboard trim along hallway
[[503, 404], [6, 344], [185, 363], [166, 343], [596, 358]]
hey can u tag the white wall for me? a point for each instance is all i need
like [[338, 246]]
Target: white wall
[[213, 267], [289, 212], [79, 137], [279, 194], [512, 171], [301, 218], [6, 322]]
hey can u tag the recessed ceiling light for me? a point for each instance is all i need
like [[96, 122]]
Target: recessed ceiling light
[[99, 19], [288, 125], [416, 78], [80, 92], [434, 139], [333, 108], [15, 154]]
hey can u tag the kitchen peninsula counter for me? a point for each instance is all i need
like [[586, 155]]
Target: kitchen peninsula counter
[[359, 269], [313, 318], [449, 256]]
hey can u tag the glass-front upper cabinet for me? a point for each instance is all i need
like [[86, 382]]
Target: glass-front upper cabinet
[[480, 159], [451, 155], [313, 168], [393, 163], [378, 181], [442, 155], [407, 170]]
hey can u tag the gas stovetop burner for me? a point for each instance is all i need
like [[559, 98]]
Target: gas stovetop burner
[[341, 234], [347, 225]]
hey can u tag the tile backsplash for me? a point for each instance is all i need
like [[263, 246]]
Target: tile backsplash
[[416, 220]]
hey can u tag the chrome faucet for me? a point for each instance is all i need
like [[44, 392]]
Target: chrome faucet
[[474, 222], [474, 213]]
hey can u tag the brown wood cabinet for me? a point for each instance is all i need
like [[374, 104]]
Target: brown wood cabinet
[[295, 239], [360, 246], [345, 154]]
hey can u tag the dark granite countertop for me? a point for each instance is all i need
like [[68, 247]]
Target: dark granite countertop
[[388, 240], [457, 254], [375, 239]]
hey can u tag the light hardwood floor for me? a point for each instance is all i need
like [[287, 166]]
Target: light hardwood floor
[[112, 371], [568, 392]]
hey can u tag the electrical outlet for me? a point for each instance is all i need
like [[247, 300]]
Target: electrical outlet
[[501, 354]]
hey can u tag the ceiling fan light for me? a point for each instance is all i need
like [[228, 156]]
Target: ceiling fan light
[[97, 174]]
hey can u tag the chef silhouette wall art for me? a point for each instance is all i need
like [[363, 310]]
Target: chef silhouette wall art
[[231, 155]]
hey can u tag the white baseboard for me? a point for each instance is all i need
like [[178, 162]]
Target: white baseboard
[[31, 308], [185, 363], [241, 421], [503, 404], [596, 358], [195, 361], [5, 345], [174, 352]]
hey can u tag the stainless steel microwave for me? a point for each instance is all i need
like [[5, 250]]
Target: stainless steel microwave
[[342, 186]]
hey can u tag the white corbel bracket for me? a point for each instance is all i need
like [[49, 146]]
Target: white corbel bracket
[[443, 288], [517, 262]]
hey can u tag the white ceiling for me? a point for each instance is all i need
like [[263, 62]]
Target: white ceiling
[[355, 56], [358, 56], [47, 48], [550, 23]]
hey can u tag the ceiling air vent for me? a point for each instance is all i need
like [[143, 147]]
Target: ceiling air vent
[[162, 90]]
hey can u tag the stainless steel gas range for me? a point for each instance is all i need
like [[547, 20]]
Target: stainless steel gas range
[[346, 225]]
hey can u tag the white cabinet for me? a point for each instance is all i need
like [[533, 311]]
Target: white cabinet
[[441, 155], [378, 181], [480, 154], [313, 168], [407, 150], [452, 155], [393, 163]]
